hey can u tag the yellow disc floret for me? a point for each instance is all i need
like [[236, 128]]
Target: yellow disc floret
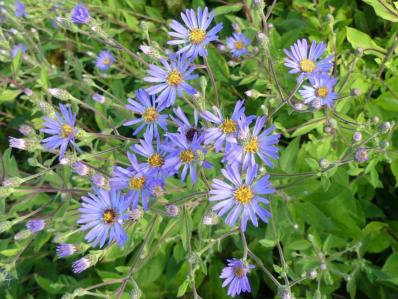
[[322, 92], [228, 126], [239, 45], [307, 66], [251, 146], [109, 216], [243, 194], [174, 78], [150, 115], [156, 160], [196, 36], [187, 156], [137, 183], [66, 130]]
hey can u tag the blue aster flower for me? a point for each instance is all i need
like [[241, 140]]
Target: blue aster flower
[[238, 44], [62, 129], [80, 14], [185, 154], [65, 249], [240, 198], [184, 125], [227, 128], [235, 275], [306, 60], [102, 213], [35, 225], [20, 10], [154, 156], [135, 179], [171, 79], [149, 110], [194, 36], [20, 48], [252, 143], [321, 89], [104, 60]]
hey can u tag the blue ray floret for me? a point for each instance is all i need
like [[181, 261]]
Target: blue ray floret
[[194, 35], [241, 199], [235, 275], [171, 79], [102, 214]]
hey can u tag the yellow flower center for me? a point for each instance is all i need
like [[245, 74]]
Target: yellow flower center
[[174, 78], [322, 92], [252, 145], [66, 130], [109, 216], [137, 183], [106, 61], [155, 160], [228, 126], [307, 66], [244, 194], [150, 115], [196, 36], [187, 156], [239, 271], [239, 45]]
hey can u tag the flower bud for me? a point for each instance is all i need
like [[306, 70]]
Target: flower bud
[[210, 219], [299, 106], [357, 137], [25, 130], [316, 104], [323, 163], [384, 144], [28, 92], [22, 235], [327, 129], [135, 215], [12, 182], [100, 180], [60, 94], [80, 168], [385, 127], [313, 274], [65, 249], [221, 47], [172, 210], [358, 51], [35, 225], [361, 155], [355, 92], [18, 143], [375, 119]]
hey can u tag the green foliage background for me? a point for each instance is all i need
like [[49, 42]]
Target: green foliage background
[[341, 223]]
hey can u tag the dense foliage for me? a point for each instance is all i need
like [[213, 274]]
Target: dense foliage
[[310, 129]]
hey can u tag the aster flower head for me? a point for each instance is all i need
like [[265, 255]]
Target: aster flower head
[[241, 198], [62, 129], [194, 36], [99, 98], [238, 44], [321, 89], [102, 214], [80, 265], [104, 60], [65, 249], [227, 128], [20, 48], [361, 155], [136, 179], [253, 143], [18, 143], [154, 156], [80, 14], [171, 79], [80, 168], [185, 154], [306, 60], [99, 180], [20, 10], [35, 225], [149, 110], [184, 125], [235, 275]]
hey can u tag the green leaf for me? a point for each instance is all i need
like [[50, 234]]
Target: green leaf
[[267, 243], [299, 245], [218, 65], [183, 288], [289, 156], [394, 170], [359, 39], [391, 268], [9, 95], [222, 10], [308, 127], [387, 101], [384, 9]]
